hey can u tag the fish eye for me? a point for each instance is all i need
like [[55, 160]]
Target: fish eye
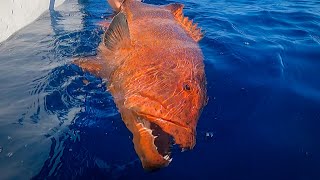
[[186, 87]]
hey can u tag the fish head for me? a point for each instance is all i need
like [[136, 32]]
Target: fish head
[[166, 109]]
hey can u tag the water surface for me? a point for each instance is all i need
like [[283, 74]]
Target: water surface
[[262, 121]]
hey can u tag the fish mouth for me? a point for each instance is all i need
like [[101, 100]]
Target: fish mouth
[[183, 135], [160, 135], [154, 145]]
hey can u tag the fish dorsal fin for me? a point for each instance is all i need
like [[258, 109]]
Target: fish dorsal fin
[[191, 28], [117, 35]]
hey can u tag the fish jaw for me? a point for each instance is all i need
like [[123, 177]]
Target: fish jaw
[[153, 134], [182, 135], [144, 141], [144, 144], [154, 149]]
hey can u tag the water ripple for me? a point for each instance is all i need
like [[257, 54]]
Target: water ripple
[[262, 67]]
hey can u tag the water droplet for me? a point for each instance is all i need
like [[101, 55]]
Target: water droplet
[[209, 134], [70, 149], [86, 82], [10, 154], [1, 148], [246, 43], [308, 154], [9, 137]]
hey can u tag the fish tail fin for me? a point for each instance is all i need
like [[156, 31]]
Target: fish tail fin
[[115, 4]]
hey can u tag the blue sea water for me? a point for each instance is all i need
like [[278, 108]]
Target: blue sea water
[[262, 121]]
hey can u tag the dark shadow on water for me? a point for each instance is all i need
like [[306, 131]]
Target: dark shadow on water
[[96, 142]]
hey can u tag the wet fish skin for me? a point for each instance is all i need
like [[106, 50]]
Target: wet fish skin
[[154, 67]]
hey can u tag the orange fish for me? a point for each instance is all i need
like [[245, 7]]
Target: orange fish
[[154, 67]]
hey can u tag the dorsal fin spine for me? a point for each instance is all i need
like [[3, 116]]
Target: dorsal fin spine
[[191, 28]]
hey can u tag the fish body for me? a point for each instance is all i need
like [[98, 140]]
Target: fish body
[[154, 67]]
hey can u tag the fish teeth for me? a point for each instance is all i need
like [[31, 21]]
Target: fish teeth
[[149, 131], [167, 157]]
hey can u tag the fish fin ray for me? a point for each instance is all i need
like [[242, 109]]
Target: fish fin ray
[[117, 35], [192, 29]]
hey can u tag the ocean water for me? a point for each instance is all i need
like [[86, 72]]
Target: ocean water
[[262, 121]]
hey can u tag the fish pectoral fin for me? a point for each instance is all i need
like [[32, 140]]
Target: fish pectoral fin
[[188, 25], [117, 36], [92, 65]]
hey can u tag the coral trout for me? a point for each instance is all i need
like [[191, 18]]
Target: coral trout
[[154, 67]]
